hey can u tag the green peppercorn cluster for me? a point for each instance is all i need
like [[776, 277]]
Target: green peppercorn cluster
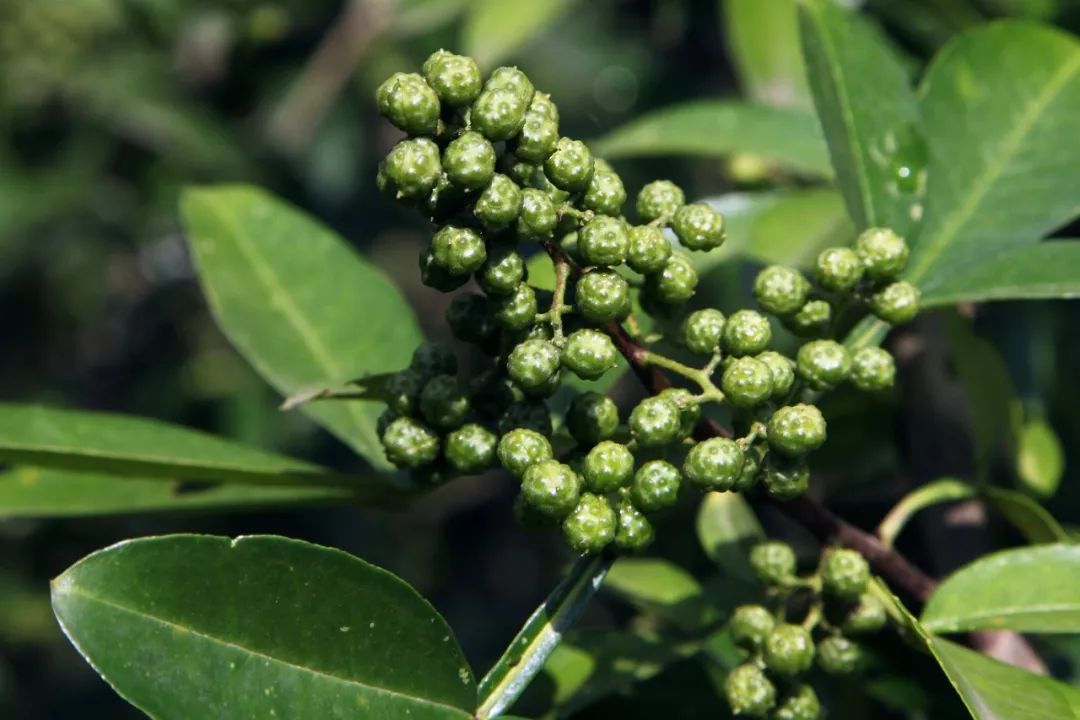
[[835, 607]]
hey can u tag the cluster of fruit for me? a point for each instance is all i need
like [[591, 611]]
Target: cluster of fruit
[[835, 604], [484, 161]]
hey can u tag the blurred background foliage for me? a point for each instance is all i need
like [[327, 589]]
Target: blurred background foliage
[[109, 107]]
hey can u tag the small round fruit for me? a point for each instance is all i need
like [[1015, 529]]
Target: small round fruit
[[689, 410], [897, 303], [801, 703], [603, 241], [538, 138], [537, 218], [675, 283], [498, 113], [589, 354], [470, 319], [455, 79], [714, 464], [655, 486], [883, 253], [409, 443], [701, 331], [782, 370], [470, 448], [542, 104], [533, 363], [469, 161], [551, 488], [634, 532], [659, 199], [865, 616], [873, 369], [530, 414], [698, 227], [648, 251], [511, 78], [746, 332], [751, 469], [516, 311], [789, 650], [823, 364], [837, 655], [521, 448], [601, 296], [747, 382], [570, 167], [811, 319], [655, 422], [591, 525], [773, 562], [607, 467], [750, 625], [402, 391], [458, 251], [781, 290], [409, 102], [838, 269], [796, 430], [592, 417], [413, 167], [844, 574], [749, 692], [501, 273], [605, 194], [432, 358], [499, 204], [785, 478], [443, 402]]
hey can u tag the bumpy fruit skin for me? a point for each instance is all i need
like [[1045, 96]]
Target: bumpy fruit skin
[[675, 283], [605, 194], [751, 469], [883, 253], [634, 532], [592, 417], [537, 218], [542, 104], [529, 414], [538, 137], [782, 370], [589, 354], [796, 430], [648, 251], [701, 331], [409, 102], [698, 227], [511, 78], [470, 448], [873, 369], [469, 161], [800, 704], [570, 167], [838, 269], [746, 332], [689, 410], [714, 464], [470, 319], [607, 467], [839, 656], [603, 242], [749, 692], [747, 382], [413, 167], [781, 290], [659, 199], [897, 303], [789, 650], [591, 525], [811, 319], [785, 478], [601, 296], [844, 574], [409, 443], [516, 311], [551, 487], [655, 486], [501, 273], [865, 616], [443, 402], [773, 562], [750, 625], [435, 277], [458, 251], [823, 364], [431, 359], [402, 391], [533, 363], [499, 204], [655, 422], [498, 113], [455, 79], [521, 448]]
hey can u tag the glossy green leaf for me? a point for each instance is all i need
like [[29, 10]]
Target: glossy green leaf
[[1026, 515], [188, 626], [727, 529], [934, 493], [1040, 458], [1033, 272], [297, 303], [1032, 589], [715, 128], [495, 29], [660, 587], [1001, 110], [867, 110], [763, 39]]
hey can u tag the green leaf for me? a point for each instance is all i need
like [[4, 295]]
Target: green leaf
[[30, 492], [934, 493], [1033, 589], [1034, 272], [297, 303], [1027, 516], [763, 39], [728, 528], [495, 29], [715, 128], [187, 626], [660, 587], [1001, 111], [1040, 458], [867, 110]]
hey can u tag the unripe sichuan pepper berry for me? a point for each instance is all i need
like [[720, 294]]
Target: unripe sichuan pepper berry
[[655, 422], [454, 78], [443, 402], [608, 467], [773, 562], [781, 290], [431, 359], [689, 410], [873, 369], [410, 103], [530, 414], [844, 574], [897, 303], [537, 218], [435, 277], [551, 488], [511, 78], [592, 417], [570, 167], [409, 443], [838, 269], [714, 464], [589, 354], [801, 703], [458, 251], [499, 204], [865, 616], [789, 650], [603, 241], [538, 137], [516, 311], [701, 331], [698, 227], [533, 364], [785, 478], [823, 364], [746, 332], [811, 319], [470, 448], [746, 382], [782, 370], [469, 161], [675, 283], [648, 251], [749, 692], [601, 296], [402, 391], [591, 525], [634, 531], [498, 113], [470, 320], [655, 486], [796, 430], [605, 193], [839, 656], [522, 448], [883, 253], [501, 273], [413, 167], [750, 625], [659, 199]]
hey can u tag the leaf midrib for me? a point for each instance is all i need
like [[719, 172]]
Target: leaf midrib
[[963, 620]]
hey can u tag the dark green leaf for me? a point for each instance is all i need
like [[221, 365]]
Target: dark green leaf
[[728, 528], [1027, 516], [763, 40], [1040, 458], [495, 28], [1033, 272], [190, 626]]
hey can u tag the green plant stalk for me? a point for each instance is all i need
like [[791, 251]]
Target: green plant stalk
[[700, 376], [543, 631], [945, 490]]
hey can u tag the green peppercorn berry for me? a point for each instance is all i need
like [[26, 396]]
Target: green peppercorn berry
[[746, 332], [773, 562], [781, 290], [796, 430], [386, 417], [789, 650], [655, 486], [698, 227], [689, 410], [883, 253], [751, 469], [445, 201], [470, 319], [785, 478], [529, 517], [409, 443], [607, 467], [750, 625], [873, 369], [746, 382], [498, 113], [406, 100], [551, 487], [538, 138], [605, 194], [413, 167], [542, 104], [469, 161], [782, 370], [838, 269], [648, 251], [592, 417], [655, 422], [511, 78], [521, 448], [520, 172], [865, 616], [529, 414], [455, 79], [589, 354], [839, 656], [701, 331], [714, 464], [659, 199], [897, 303], [811, 319], [801, 703], [470, 448], [538, 217], [499, 204], [603, 241], [502, 272], [432, 358], [443, 402], [402, 391], [533, 363], [675, 283], [591, 525], [749, 692], [516, 311], [844, 574], [634, 532], [823, 364], [458, 251], [601, 296], [570, 167]]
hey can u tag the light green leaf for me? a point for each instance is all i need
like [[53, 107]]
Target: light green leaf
[[495, 29], [867, 110], [297, 303], [1040, 459], [188, 626], [715, 128], [657, 586], [763, 39], [1027, 516], [1032, 589], [1001, 110], [1033, 272], [727, 529]]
